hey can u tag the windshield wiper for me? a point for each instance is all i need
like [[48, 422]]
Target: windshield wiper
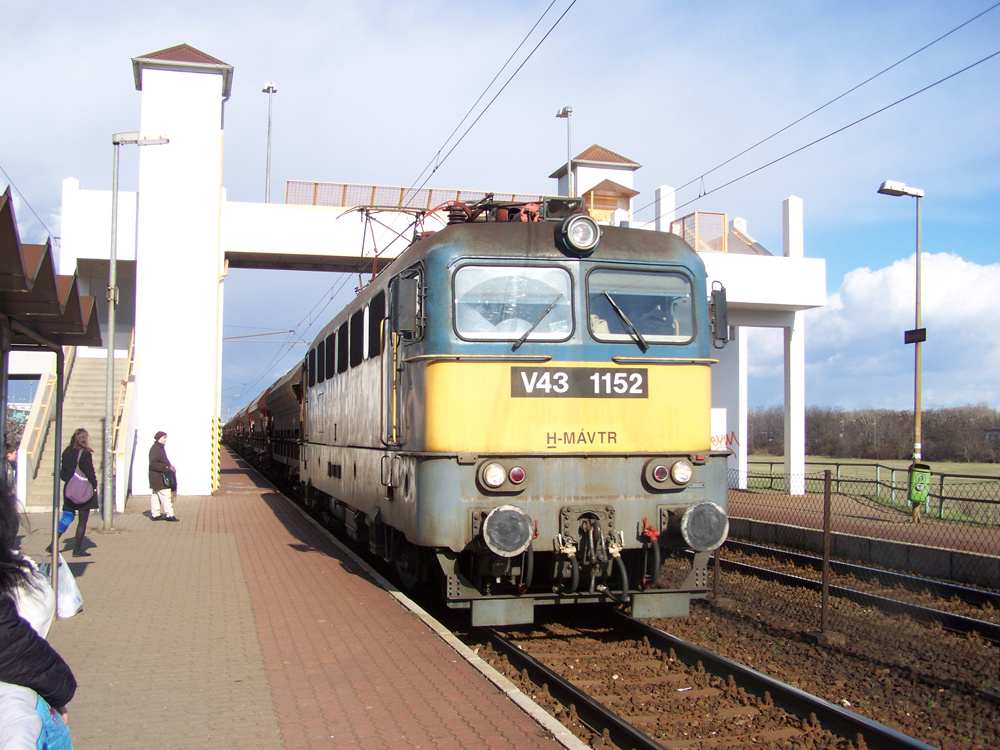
[[535, 324], [635, 331]]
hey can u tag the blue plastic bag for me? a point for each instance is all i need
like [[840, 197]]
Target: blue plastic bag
[[55, 733]]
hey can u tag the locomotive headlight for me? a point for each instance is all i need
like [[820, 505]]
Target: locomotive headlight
[[682, 472], [578, 235], [494, 475]]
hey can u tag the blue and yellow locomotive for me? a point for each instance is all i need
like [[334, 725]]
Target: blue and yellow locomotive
[[517, 412]]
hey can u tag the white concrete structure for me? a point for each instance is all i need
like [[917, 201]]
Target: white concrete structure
[[181, 234], [767, 292]]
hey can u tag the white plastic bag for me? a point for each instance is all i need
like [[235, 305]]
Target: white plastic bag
[[35, 599], [69, 600]]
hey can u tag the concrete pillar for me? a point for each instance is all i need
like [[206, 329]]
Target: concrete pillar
[[664, 207], [795, 405], [792, 231], [795, 359], [179, 265]]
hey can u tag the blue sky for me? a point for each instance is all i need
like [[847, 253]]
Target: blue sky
[[368, 91]]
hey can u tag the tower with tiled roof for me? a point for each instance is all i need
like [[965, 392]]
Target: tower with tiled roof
[[604, 180]]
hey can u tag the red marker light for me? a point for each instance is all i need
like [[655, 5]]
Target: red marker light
[[516, 475], [660, 473]]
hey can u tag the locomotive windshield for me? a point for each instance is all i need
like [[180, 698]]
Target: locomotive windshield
[[644, 307], [513, 303]]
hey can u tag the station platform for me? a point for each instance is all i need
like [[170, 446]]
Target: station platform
[[246, 625]]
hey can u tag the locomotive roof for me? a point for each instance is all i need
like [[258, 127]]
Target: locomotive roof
[[534, 241], [537, 241]]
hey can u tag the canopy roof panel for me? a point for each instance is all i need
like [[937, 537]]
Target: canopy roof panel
[[35, 296]]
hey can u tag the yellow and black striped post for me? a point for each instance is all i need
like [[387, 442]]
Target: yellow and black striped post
[[216, 453]]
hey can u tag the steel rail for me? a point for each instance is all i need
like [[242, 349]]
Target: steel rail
[[940, 589], [947, 620], [831, 717], [591, 712]]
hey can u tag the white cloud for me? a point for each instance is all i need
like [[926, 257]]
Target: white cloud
[[856, 356]]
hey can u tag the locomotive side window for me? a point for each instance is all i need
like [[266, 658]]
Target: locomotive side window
[[311, 367], [376, 313], [365, 329], [506, 303], [342, 350], [331, 354], [640, 306], [321, 362], [357, 337], [406, 304]]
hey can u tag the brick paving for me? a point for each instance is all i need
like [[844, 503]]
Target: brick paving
[[244, 625]]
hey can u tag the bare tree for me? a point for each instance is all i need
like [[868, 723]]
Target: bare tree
[[965, 433]]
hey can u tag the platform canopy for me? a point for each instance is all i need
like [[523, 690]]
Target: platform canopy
[[47, 308]]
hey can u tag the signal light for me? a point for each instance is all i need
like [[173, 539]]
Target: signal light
[[516, 475]]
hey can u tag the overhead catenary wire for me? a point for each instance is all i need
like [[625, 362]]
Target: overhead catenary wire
[[297, 333], [26, 202], [256, 335], [838, 130], [485, 90], [436, 162], [701, 177], [485, 109]]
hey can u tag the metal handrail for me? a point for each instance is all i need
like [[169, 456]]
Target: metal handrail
[[123, 387], [37, 424]]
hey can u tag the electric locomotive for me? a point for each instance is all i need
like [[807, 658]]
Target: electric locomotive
[[517, 412]]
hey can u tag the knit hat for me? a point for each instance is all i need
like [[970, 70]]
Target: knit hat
[[160, 434]]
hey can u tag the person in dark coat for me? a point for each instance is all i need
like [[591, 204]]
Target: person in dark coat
[[10, 466], [158, 464], [26, 658], [78, 453]]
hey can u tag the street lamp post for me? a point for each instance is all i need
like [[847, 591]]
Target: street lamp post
[[270, 90], [565, 114], [118, 139], [916, 337]]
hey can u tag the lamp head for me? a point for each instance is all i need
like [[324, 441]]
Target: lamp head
[[139, 139], [893, 187], [269, 88], [564, 112]]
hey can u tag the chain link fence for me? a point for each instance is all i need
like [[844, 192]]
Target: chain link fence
[[866, 522]]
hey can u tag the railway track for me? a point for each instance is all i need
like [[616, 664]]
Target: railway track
[[704, 696], [951, 706], [887, 579]]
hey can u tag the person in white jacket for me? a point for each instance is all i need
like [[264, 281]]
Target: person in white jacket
[[33, 676]]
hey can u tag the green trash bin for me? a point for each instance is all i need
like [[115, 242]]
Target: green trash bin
[[920, 483]]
